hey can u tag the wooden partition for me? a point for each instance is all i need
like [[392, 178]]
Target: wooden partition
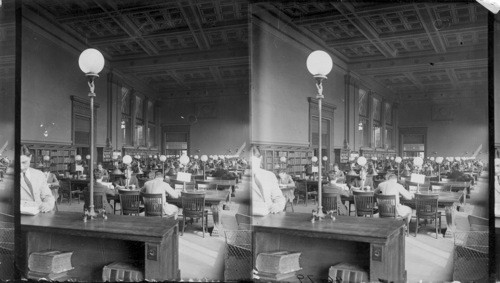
[[374, 244]]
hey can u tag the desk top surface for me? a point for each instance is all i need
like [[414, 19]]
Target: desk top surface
[[343, 225], [72, 222]]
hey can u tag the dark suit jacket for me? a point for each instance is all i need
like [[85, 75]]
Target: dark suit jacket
[[122, 182]]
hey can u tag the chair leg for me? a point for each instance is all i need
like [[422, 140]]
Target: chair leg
[[183, 224]]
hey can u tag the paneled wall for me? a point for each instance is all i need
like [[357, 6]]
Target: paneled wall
[[213, 133], [453, 127]]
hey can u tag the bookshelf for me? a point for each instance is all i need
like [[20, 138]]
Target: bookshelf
[[379, 153], [60, 155], [296, 157], [144, 153]]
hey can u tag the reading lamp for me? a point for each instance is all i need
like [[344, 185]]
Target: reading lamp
[[439, 160], [91, 62], [319, 64], [163, 158]]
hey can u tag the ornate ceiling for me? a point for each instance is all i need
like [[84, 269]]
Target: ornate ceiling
[[418, 50], [172, 46]]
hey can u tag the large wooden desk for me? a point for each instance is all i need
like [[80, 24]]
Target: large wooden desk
[[152, 242], [377, 245]]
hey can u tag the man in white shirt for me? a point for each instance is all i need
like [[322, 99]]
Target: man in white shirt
[[158, 186], [392, 187], [34, 187], [266, 194]]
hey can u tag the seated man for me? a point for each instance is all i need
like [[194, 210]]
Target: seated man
[[158, 186], [128, 181], [336, 173], [364, 180], [266, 194], [104, 172], [34, 186], [392, 187], [101, 187]]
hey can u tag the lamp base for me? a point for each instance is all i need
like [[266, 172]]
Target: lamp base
[[91, 214], [320, 215]]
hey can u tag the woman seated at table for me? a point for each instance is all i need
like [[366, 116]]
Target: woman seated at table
[[335, 173], [392, 187], [284, 179], [340, 190], [104, 172], [101, 187], [364, 181], [51, 181], [158, 186]]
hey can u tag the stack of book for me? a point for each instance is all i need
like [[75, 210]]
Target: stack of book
[[277, 266], [50, 265]]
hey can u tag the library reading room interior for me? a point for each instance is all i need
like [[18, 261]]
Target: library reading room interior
[[226, 140]]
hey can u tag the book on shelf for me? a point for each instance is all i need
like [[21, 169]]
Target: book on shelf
[[278, 262], [61, 276], [50, 261], [276, 276]]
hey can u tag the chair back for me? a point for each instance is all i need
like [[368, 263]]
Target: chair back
[[386, 205], [193, 203], [329, 202], [153, 204], [130, 202], [364, 203], [426, 205], [99, 200]]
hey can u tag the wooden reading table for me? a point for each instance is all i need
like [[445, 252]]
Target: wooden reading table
[[153, 243], [377, 245]]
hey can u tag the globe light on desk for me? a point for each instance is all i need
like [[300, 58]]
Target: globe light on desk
[[196, 157], [314, 159], [361, 161], [78, 158], [432, 158], [319, 64], [418, 162], [184, 160], [91, 62], [282, 159], [325, 158], [87, 157]]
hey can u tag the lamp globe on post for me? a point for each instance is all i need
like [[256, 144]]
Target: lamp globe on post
[[91, 62], [319, 64], [398, 160], [204, 159], [439, 160], [163, 158]]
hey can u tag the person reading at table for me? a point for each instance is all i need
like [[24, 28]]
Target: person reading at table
[[127, 181], [364, 181], [266, 193], [101, 187], [52, 181], [158, 186], [104, 172], [392, 187], [34, 187], [335, 173], [285, 179]]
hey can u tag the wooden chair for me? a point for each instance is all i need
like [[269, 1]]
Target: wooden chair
[[302, 191], [427, 208], [153, 204], [193, 206], [329, 202], [364, 203], [100, 200], [387, 207], [130, 202]]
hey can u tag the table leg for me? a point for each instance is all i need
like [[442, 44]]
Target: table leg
[[215, 214]]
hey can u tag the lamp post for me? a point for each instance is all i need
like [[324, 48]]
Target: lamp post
[[163, 158], [91, 62], [319, 64], [439, 160], [204, 159]]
